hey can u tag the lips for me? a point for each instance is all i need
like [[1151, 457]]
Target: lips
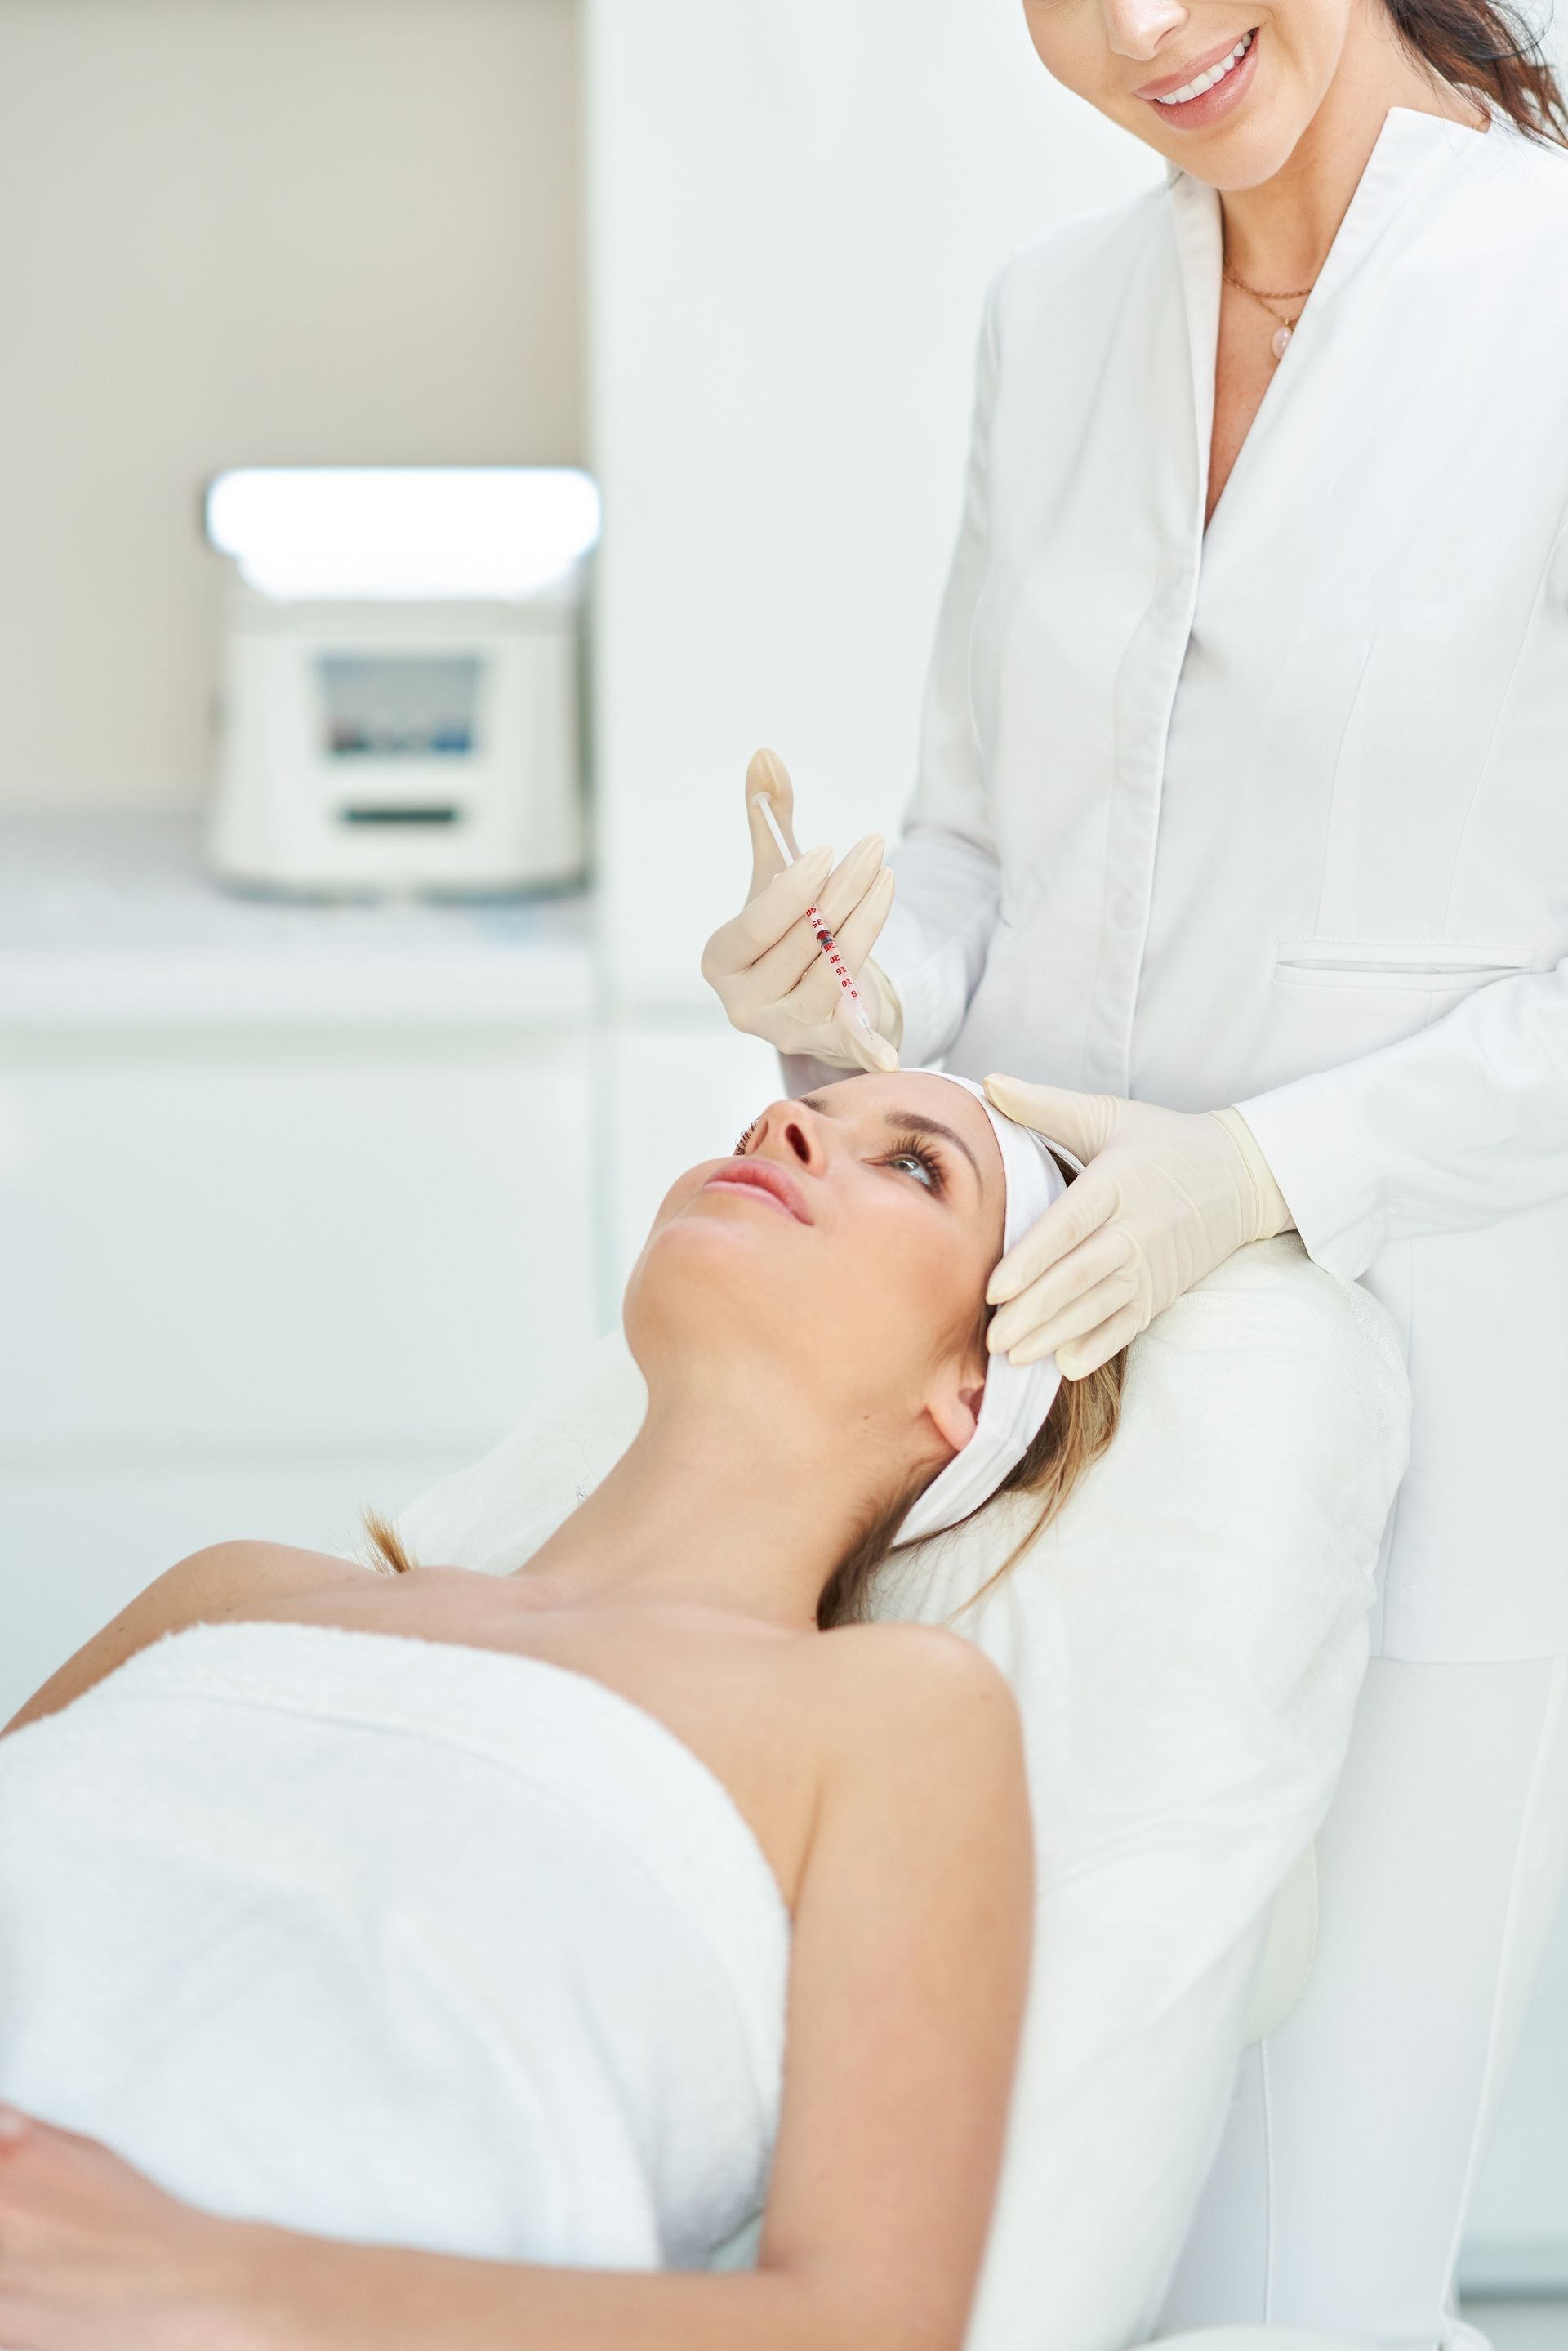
[[1195, 68], [762, 1176]]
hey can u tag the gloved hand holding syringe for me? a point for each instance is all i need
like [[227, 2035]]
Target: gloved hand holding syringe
[[791, 967]]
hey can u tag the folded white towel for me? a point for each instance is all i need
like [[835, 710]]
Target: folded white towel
[[394, 1940]]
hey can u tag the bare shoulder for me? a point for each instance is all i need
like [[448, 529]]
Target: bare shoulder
[[233, 1574], [910, 1661], [913, 1696], [230, 1579], [224, 1581]]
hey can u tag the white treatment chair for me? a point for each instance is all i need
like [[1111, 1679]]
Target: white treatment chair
[[1338, 2196], [1187, 1642]]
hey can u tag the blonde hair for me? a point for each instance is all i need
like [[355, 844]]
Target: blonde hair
[[1077, 1430], [1079, 1426], [389, 1555]]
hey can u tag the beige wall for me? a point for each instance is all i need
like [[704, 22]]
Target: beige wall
[[250, 231]]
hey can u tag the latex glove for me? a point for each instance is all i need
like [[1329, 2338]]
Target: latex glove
[[1165, 1197], [765, 966]]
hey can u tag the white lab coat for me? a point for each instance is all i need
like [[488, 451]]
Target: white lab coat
[[1278, 814]]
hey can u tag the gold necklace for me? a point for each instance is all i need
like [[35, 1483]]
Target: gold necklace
[[1281, 336]]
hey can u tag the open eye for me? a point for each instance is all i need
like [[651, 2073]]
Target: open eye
[[909, 1152]]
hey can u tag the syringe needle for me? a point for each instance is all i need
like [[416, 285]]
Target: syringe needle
[[824, 938]]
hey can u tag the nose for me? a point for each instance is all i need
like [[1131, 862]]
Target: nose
[[792, 1132], [1136, 29]]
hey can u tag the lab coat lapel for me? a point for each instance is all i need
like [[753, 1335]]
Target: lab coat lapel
[[1194, 210], [1410, 152], [1168, 386]]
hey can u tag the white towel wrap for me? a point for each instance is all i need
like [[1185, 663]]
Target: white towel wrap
[[394, 1940]]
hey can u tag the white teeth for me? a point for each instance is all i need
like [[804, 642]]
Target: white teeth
[[1195, 89]]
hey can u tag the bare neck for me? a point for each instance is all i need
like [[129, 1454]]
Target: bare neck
[[1277, 235], [728, 1500]]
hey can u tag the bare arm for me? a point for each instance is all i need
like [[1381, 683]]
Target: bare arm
[[218, 1583], [907, 1977]]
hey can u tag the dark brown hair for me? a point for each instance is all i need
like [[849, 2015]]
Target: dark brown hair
[[1485, 47]]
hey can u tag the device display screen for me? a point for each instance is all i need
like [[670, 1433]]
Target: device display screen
[[399, 705]]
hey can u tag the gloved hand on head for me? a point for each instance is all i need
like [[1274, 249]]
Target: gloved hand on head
[[765, 965], [1165, 1197]]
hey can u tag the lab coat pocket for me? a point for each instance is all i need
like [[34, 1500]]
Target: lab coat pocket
[[1414, 967], [1359, 993]]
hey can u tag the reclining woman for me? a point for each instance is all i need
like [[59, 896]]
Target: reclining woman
[[521, 1956]]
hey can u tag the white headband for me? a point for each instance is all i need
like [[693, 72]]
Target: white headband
[[1016, 1399]]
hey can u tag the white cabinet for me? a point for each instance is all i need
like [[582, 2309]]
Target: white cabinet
[[251, 1243], [298, 1208]]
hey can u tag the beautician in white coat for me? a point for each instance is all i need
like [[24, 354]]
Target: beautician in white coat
[[1245, 790]]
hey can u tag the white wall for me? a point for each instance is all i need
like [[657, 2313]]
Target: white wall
[[250, 231], [793, 215], [256, 1276]]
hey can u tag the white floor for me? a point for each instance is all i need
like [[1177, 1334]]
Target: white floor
[[1521, 2325]]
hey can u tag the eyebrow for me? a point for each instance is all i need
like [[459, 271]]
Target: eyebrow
[[917, 1120]]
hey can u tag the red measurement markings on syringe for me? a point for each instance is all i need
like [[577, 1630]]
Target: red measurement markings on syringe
[[829, 945]]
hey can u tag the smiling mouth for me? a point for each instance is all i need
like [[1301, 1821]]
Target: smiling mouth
[[1209, 78]]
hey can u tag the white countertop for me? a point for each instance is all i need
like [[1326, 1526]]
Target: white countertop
[[109, 921]]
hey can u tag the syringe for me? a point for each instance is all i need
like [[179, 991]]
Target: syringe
[[824, 937]]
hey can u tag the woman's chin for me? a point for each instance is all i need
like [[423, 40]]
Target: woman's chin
[[724, 1224], [1251, 159], [704, 1269], [1245, 148]]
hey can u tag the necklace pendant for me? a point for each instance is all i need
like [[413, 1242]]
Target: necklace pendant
[[1278, 340]]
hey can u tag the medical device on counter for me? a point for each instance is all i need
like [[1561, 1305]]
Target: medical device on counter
[[400, 696], [824, 938]]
